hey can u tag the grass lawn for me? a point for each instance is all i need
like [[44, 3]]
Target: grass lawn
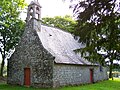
[[105, 85]]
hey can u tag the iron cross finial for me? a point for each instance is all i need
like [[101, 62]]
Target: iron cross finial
[[36, 0]]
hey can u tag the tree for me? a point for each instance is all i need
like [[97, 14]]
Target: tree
[[66, 23], [11, 27], [99, 29]]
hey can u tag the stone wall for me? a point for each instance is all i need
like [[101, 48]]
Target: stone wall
[[76, 74], [31, 54], [100, 75]]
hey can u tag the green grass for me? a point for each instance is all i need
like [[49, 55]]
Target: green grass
[[104, 85]]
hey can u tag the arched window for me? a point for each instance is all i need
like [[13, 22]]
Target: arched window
[[31, 11], [37, 8]]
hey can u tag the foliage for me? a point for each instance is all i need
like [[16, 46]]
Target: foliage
[[11, 27], [99, 29], [66, 23], [111, 85]]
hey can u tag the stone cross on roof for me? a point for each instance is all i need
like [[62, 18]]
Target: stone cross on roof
[[35, 1]]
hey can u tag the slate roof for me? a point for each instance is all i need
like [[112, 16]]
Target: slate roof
[[61, 45]]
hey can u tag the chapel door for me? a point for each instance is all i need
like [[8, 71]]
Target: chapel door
[[91, 76], [27, 76]]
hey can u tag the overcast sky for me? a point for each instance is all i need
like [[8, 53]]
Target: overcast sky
[[53, 8]]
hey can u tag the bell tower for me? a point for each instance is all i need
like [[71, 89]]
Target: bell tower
[[34, 11]]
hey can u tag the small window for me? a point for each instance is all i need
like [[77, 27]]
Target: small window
[[101, 68], [36, 16], [30, 8], [37, 8]]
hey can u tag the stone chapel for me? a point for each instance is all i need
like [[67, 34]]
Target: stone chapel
[[45, 57]]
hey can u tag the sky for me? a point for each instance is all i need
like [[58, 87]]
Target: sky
[[53, 8]]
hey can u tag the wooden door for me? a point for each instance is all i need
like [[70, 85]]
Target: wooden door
[[27, 76], [91, 75]]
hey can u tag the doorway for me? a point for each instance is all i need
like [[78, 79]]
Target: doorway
[[91, 76], [27, 76]]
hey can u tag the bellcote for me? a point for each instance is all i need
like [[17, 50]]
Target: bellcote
[[34, 10]]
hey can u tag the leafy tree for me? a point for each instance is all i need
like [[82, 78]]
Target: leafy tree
[[66, 23], [99, 29], [11, 27]]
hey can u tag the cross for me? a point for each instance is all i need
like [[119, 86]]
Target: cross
[[35, 0]]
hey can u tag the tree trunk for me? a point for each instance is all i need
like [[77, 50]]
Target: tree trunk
[[2, 67], [2, 64], [110, 69], [3, 57]]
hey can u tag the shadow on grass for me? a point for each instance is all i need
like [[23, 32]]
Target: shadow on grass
[[14, 87]]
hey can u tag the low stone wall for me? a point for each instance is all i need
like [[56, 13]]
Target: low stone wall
[[76, 74]]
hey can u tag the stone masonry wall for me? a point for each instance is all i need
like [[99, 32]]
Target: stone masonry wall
[[31, 54], [75, 75], [100, 75]]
